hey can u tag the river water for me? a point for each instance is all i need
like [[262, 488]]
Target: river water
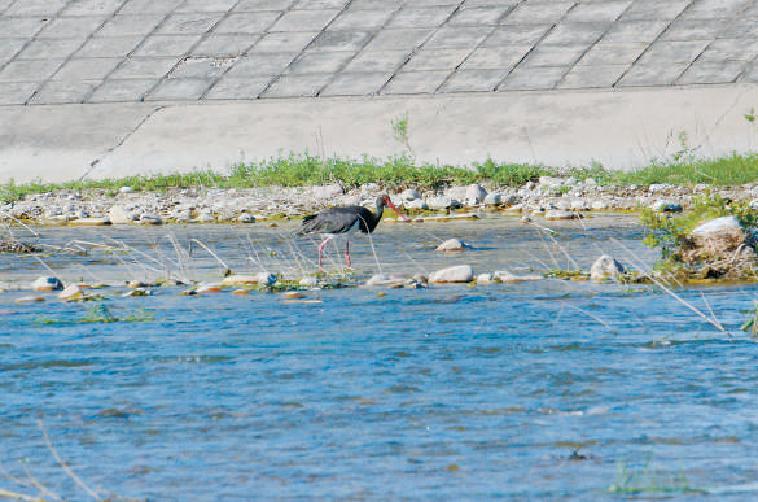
[[539, 390]]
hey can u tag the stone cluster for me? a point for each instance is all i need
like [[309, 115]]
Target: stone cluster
[[552, 197]]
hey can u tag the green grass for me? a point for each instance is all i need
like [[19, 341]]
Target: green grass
[[401, 172]]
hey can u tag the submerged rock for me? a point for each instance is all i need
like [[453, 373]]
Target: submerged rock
[[386, 281], [452, 245], [17, 247], [308, 281], [262, 278], [485, 279], [560, 214], [30, 299], [90, 222], [459, 274], [47, 284], [606, 268], [507, 276]]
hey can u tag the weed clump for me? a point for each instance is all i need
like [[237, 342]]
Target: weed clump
[[684, 256]]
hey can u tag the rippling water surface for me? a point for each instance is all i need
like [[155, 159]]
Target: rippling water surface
[[551, 390]]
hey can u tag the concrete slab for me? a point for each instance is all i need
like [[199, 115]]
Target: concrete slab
[[60, 142], [619, 128]]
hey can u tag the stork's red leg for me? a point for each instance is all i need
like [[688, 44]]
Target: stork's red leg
[[347, 254]]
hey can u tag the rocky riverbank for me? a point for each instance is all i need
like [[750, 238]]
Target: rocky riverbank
[[551, 197]]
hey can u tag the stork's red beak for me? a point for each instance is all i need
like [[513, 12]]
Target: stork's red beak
[[400, 215]]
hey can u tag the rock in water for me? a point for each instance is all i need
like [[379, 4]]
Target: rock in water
[[262, 278], [559, 214], [150, 219], [47, 284], [16, 247], [452, 245], [459, 274], [719, 236], [720, 248], [606, 268], [72, 292]]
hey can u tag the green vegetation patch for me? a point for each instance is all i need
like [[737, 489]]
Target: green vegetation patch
[[399, 172]]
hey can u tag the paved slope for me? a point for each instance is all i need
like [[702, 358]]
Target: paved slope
[[91, 51]]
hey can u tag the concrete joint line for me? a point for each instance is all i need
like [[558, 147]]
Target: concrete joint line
[[656, 39], [476, 47], [593, 44], [302, 51], [359, 51], [421, 45], [534, 46], [120, 141], [245, 52], [90, 36]]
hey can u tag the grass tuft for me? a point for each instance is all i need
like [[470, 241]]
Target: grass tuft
[[403, 171]]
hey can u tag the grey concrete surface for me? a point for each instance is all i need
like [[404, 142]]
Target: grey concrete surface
[[618, 128], [115, 87], [93, 51]]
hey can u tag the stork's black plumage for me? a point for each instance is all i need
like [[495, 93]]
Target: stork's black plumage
[[339, 220]]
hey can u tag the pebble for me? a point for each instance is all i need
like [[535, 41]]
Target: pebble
[[606, 268], [47, 284], [559, 214], [30, 299], [452, 245]]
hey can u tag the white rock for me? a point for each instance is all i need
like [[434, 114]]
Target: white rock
[[47, 284], [717, 227], [150, 219], [241, 280], [90, 222], [308, 281], [493, 199], [578, 205], [605, 268], [558, 214], [485, 279], [70, 292], [386, 281], [461, 273], [126, 190], [599, 204], [246, 218], [30, 299], [475, 194], [663, 206], [451, 245], [439, 202], [506, 276], [410, 194], [120, 216], [719, 236]]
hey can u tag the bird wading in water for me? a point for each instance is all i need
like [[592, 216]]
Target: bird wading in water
[[343, 219]]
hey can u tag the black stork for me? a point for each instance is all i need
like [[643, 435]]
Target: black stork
[[342, 219]]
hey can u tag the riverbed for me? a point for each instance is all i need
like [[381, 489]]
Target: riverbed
[[548, 389]]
